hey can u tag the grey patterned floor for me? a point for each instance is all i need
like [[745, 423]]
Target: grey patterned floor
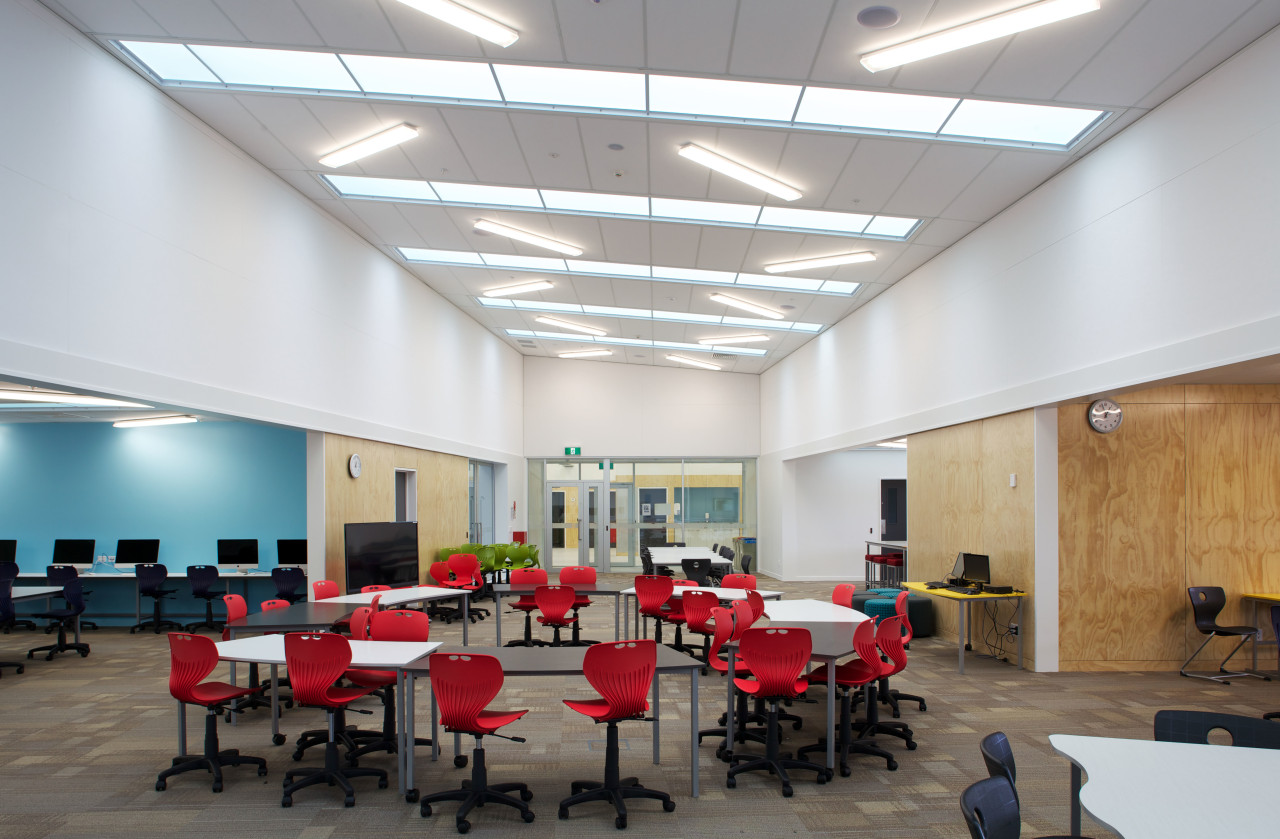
[[84, 738]]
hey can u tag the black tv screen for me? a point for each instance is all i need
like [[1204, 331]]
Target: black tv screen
[[8, 550], [381, 553], [291, 552], [72, 552], [136, 551]]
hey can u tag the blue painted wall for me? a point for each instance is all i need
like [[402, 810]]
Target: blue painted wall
[[186, 485]]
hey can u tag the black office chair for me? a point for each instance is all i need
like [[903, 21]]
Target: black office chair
[[991, 810], [64, 618], [698, 570], [60, 575], [6, 617], [151, 579], [1206, 603], [1195, 727], [202, 577], [291, 583], [9, 619], [673, 544], [998, 755], [747, 561], [646, 565]]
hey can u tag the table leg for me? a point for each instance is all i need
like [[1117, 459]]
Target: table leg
[[1253, 623], [466, 615], [693, 732], [657, 721], [497, 616], [831, 715], [728, 714], [182, 728], [963, 607], [617, 618], [275, 705], [435, 726], [1075, 800], [1019, 614], [401, 751]]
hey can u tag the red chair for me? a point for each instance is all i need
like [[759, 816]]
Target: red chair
[[324, 589], [653, 594], [888, 695], [526, 603], [351, 737], [756, 601], [441, 577], [842, 595], [316, 661], [743, 618], [776, 657], [367, 589], [696, 605], [236, 610], [622, 673], [889, 639], [192, 658], [268, 605], [468, 575], [555, 602], [389, 625], [738, 581], [583, 575], [463, 685]]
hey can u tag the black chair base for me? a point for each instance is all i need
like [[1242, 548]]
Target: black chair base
[[18, 622], [528, 640], [577, 640], [157, 622], [742, 717], [347, 736], [62, 646], [845, 742], [613, 789], [773, 760], [212, 760], [261, 699], [1222, 668], [478, 792], [209, 622], [331, 773], [21, 668], [384, 741]]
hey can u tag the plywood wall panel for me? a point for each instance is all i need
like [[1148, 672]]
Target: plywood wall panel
[[1237, 394]]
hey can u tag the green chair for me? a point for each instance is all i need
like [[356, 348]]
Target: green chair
[[534, 561], [517, 557], [488, 557], [471, 548], [444, 553]]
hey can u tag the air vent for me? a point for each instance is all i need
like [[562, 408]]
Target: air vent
[[723, 356], [528, 344]]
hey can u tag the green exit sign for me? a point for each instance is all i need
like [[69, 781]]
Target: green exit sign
[[573, 449]]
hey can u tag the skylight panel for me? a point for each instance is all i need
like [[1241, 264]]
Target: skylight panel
[[563, 336], [571, 88], [430, 255], [645, 314], [677, 208], [171, 62], [503, 196], [545, 306], [277, 68], [872, 109], [680, 345], [423, 77], [623, 269], [774, 281], [814, 219], [838, 287], [627, 342], [400, 189], [894, 226], [758, 323], [616, 311], [690, 317], [511, 260], [1015, 121], [803, 327], [596, 202], [496, 302], [744, 100], [693, 275]]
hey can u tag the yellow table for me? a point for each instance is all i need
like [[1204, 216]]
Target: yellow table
[[966, 619], [1256, 599]]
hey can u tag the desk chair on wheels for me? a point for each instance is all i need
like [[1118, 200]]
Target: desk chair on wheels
[[64, 619], [9, 620], [151, 580], [290, 582], [237, 609], [527, 604], [555, 602], [59, 575], [586, 576], [202, 578], [6, 618], [698, 570]]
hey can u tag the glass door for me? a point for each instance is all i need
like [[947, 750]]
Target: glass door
[[577, 524]]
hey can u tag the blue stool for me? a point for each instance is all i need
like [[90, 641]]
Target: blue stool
[[879, 607]]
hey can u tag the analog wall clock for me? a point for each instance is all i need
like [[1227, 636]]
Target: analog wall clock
[[1105, 416], [353, 465]]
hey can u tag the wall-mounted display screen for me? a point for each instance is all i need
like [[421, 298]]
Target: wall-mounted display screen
[[381, 553]]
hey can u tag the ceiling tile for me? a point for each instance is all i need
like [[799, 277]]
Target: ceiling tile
[[240, 125], [552, 149], [1009, 177], [604, 34], [690, 37], [777, 40], [192, 19], [108, 16], [267, 23], [942, 173], [489, 146], [351, 25], [623, 170], [874, 172]]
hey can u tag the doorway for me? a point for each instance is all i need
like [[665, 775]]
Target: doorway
[[893, 510], [577, 524]]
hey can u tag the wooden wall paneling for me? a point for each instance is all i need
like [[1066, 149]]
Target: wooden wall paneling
[[1008, 518], [1234, 394], [443, 492], [1163, 395]]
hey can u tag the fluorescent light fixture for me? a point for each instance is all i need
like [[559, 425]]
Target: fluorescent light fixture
[[521, 288], [746, 306], [45, 397], [527, 237], [634, 342], [693, 362], [820, 262], [467, 20], [651, 315], [894, 444], [141, 423], [733, 339], [977, 32], [575, 327], [738, 172], [585, 353], [393, 136]]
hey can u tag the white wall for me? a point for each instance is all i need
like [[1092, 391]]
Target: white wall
[[145, 256], [625, 410], [837, 504]]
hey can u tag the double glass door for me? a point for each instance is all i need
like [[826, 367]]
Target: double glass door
[[577, 523]]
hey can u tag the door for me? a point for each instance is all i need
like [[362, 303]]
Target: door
[[893, 510], [577, 524]]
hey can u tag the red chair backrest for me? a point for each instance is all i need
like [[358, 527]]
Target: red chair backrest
[[359, 622], [652, 593], [843, 595], [756, 602], [399, 625], [439, 572], [464, 567], [696, 606], [743, 617], [900, 609], [464, 684], [776, 656], [578, 574], [367, 589], [889, 640], [721, 623], [554, 602], [315, 660], [324, 589], [268, 605], [738, 581], [528, 576], [191, 659], [622, 673], [236, 609], [685, 583]]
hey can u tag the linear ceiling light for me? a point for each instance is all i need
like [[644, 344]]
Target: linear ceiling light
[[466, 20], [140, 423], [733, 339], [45, 397], [738, 172], [900, 443], [522, 288], [370, 145], [576, 327], [693, 362], [820, 262], [527, 237], [754, 308], [585, 353], [977, 32]]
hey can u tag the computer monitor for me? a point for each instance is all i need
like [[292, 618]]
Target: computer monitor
[[291, 552], [977, 568], [237, 554], [8, 550], [383, 553], [77, 552], [130, 552]]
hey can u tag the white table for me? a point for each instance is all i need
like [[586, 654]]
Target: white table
[[400, 596], [1145, 788], [366, 655], [45, 593], [721, 593], [672, 556], [800, 612]]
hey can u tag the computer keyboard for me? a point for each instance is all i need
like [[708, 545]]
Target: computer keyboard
[[937, 584], [963, 590]]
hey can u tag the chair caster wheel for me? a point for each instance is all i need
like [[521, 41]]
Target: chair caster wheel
[[822, 777], [278, 739], [892, 764], [911, 745], [620, 822], [787, 792], [217, 787], [84, 653], [464, 826], [21, 670], [897, 714], [160, 786], [526, 795], [460, 761], [845, 771], [563, 813], [668, 806], [923, 707], [795, 726], [528, 817], [262, 770], [287, 801], [426, 810], [382, 783], [349, 801], [411, 796], [731, 783]]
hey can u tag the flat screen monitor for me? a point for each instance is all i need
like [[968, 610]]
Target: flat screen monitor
[[977, 568], [237, 554], [137, 551], [8, 550], [77, 552], [381, 553], [291, 552]]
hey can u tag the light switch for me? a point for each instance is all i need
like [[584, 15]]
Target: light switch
[[1013, 479]]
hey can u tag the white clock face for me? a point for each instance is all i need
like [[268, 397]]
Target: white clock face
[[353, 465], [1105, 416]]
